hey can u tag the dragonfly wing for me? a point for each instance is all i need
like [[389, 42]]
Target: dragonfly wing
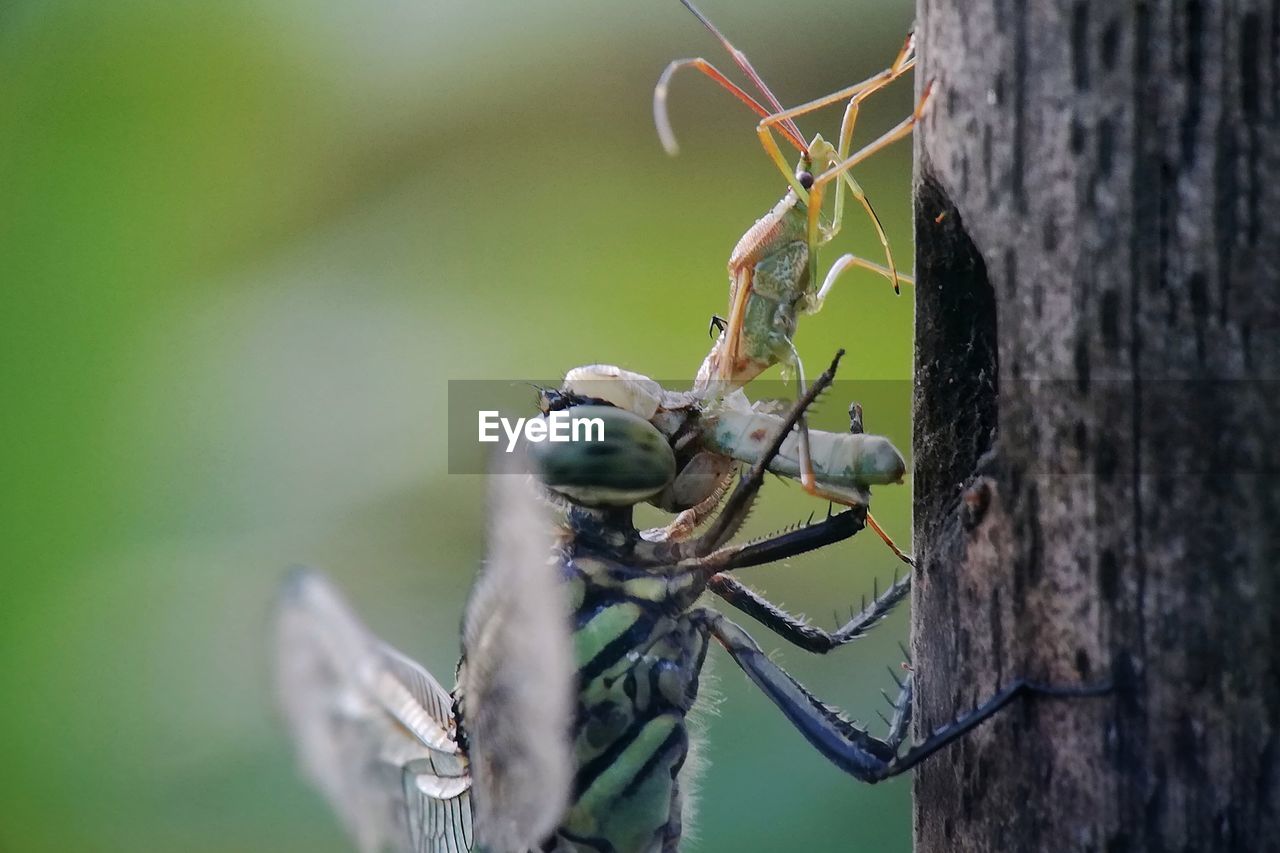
[[374, 731], [516, 683]]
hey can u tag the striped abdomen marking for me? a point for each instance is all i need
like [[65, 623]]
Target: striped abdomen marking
[[638, 670]]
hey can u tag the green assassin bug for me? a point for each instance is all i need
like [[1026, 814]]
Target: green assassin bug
[[772, 277], [568, 730], [772, 270]]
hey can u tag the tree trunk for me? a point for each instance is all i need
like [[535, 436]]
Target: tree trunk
[[1097, 478]]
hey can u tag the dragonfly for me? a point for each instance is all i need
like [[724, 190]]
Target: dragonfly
[[584, 638], [583, 644]]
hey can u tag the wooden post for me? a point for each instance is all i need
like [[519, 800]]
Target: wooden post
[[1097, 422]]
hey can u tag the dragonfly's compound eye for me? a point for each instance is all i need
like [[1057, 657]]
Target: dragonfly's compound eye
[[613, 457], [805, 179]]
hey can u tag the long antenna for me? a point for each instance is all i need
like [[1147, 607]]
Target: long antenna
[[740, 59]]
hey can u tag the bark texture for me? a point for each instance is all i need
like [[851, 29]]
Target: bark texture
[[1097, 416]]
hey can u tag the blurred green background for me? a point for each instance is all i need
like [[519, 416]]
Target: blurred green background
[[246, 244]]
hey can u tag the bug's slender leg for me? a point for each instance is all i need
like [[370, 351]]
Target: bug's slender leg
[[806, 456], [846, 744], [807, 636], [888, 138], [902, 63], [888, 540], [856, 93], [809, 479], [890, 272], [739, 503], [784, 119], [838, 268]]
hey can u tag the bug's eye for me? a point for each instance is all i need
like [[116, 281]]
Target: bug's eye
[[806, 179]]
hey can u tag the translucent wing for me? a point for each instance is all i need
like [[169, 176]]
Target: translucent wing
[[516, 683], [374, 731]]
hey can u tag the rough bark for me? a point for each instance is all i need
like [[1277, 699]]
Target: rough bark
[[1097, 475]]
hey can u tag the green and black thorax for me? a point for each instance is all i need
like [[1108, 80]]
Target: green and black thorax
[[639, 645]]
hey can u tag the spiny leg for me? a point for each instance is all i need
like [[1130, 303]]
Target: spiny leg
[[809, 482], [684, 524], [797, 631], [846, 744], [950, 732], [900, 723], [781, 546]]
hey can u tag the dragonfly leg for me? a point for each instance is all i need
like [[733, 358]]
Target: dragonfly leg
[[797, 631], [809, 537], [948, 733], [846, 744], [684, 524]]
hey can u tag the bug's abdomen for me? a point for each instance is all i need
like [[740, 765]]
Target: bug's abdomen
[[638, 678], [778, 286]]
